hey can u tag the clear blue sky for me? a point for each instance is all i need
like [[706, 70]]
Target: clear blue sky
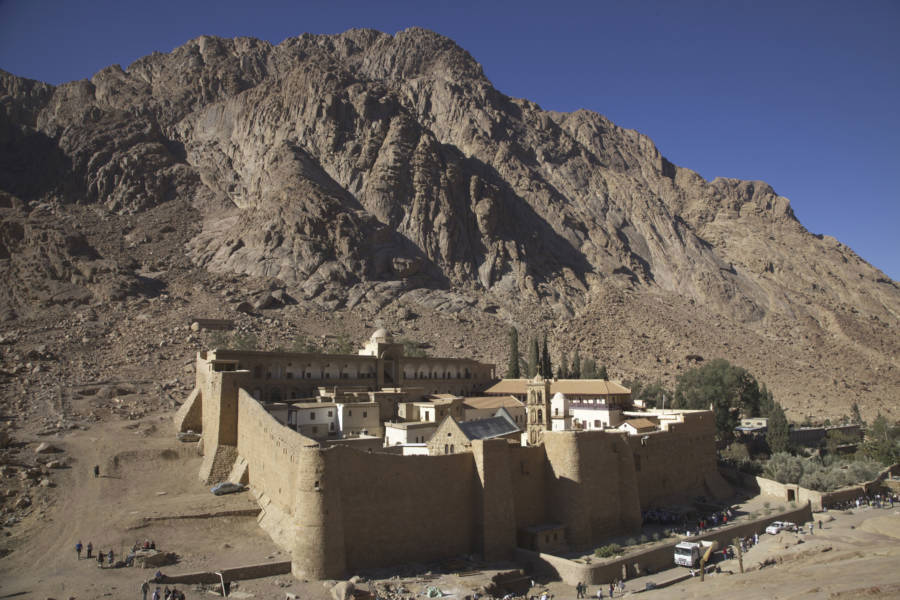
[[802, 94]]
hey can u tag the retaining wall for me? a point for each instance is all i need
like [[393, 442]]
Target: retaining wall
[[655, 558], [233, 574]]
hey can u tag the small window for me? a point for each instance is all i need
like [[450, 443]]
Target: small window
[[312, 416], [365, 414], [349, 412], [329, 413], [446, 449]]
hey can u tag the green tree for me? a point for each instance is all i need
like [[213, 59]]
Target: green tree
[[766, 402], [778, 434], [589, 368], [855, 415], [602, 374], [880, 443], [576, 366], [563, 371], [534, 357], [651, 393], [546, 367], [730, 390], [512, 369]]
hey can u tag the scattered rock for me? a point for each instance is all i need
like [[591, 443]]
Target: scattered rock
[[46, 448]]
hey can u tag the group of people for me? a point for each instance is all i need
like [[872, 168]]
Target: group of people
[[581, 589], [167, 594], [101, 556]]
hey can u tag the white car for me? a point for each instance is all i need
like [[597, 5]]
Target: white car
[[775, 527]]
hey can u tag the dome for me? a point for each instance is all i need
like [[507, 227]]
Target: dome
[[380, 335]]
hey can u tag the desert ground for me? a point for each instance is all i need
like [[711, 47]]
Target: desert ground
[[148, 485]]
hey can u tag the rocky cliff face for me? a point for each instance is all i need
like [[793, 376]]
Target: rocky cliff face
[[379, 174]]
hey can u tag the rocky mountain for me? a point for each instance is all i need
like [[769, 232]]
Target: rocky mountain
[[374, 178]]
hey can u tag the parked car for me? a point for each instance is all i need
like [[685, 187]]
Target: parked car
[[776, 526], [187, 436], [226, 487]]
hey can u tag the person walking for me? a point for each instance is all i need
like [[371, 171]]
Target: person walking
[[811, 528], [145, 587], [100, 559], [78, 549], [90, 549], [612, 588], [96, 471], [156, 594], [111, 559]]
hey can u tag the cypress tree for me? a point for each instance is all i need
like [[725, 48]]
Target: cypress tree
[[533, 358], [546, 367], [512, 369], [778, 434], [602, 374], [563, 371], [576, 366]]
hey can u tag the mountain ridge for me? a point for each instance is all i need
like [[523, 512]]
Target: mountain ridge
[[369, 173]]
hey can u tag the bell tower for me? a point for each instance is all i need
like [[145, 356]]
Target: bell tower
[[537, 407]]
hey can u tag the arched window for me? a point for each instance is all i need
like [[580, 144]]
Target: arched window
[[540, 416]]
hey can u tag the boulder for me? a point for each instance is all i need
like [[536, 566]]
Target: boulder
[[343, 590], [46, 448], [149, 559], [265, 301], [244, 307]]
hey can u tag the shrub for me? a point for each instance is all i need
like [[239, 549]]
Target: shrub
[[656, 537], [608, 550], [631, 541], [827, 475], [644, 539]]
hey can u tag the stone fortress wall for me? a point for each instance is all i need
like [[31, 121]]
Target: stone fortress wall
[[338, 509]]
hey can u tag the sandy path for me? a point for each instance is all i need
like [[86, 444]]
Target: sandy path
[[141, 476]]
